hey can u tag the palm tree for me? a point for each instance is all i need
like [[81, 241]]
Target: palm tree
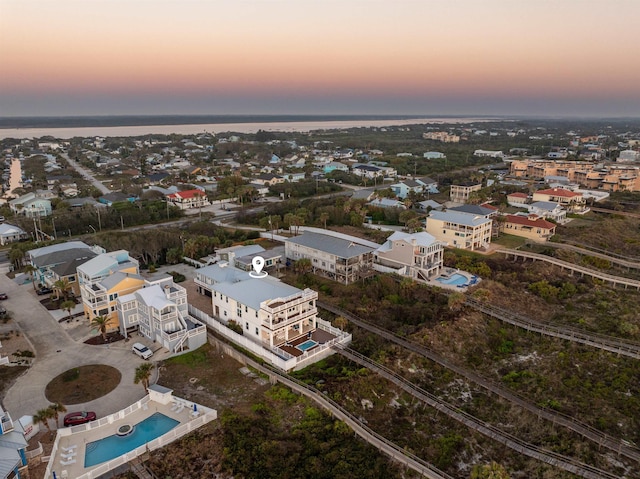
[[324, 217], [62, 287], [30, 269], [143, 375], [42, 417], [101, 323], [341, 322], [67, 306], [55, 410]]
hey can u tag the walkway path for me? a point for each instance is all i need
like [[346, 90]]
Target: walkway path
[[56, 352], [619, 260], [86, 174], [572, 268], [555, 417]]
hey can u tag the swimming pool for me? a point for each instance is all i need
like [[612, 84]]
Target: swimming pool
[[114, 446], [307, 345], [455, 279]]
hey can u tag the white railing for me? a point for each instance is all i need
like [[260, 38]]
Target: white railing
[[240, 340], [179, 431], [157, 443]]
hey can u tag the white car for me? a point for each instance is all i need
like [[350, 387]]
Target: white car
[[142, 351]]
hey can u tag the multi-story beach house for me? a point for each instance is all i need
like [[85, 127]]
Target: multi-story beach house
[[460, 230], [570, 200], [531, 227], [343, 260], [271, 314], [420, 254], [103, 280], [461, 193], [159, 311]]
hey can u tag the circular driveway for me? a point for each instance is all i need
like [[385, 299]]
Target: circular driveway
[[55, 352]]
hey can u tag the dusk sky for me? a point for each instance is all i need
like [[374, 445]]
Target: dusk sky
[[415, 57]]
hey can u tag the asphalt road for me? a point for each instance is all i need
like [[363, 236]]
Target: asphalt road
[[56, 351], [86, 174]]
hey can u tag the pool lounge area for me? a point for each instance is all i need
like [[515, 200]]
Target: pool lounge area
[[91, 450], [455, 279]]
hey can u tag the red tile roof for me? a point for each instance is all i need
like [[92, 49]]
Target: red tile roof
[[522, 220], [186, 194], [559, 192], [518, 195]]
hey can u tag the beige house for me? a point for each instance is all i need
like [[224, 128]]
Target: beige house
[[532, 227], [420, 253], [461, 193], [518, 199], [570, 200], [460, 230]]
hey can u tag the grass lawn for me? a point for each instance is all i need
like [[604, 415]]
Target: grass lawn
[[509, 241], [82, 384]]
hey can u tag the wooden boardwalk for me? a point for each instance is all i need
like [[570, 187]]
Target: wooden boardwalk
[[604, 440], [572, 268], [549, 457], [618, 259]]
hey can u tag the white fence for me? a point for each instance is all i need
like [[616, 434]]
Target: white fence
[[157, 443], [286, 363], [177, 432]]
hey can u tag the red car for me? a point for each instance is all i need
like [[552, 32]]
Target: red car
[[75, 418]]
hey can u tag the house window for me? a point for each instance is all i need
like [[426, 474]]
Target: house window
[[225, 313], [257, 333], [256, 314], [246, 325]]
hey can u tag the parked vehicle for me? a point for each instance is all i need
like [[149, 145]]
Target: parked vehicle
[[141, 350], [44, 290], [3, 296], [79, 417]]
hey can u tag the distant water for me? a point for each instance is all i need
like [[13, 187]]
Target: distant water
[[189, 128]]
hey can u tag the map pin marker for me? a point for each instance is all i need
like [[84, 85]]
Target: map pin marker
[[257, 263]]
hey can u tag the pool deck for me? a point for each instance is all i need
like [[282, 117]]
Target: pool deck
[[472, 280], [80, 436]]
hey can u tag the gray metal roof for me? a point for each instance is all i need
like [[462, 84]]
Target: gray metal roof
[[56, 248], [253, 291], [473, 210], [421, 239], [458, 218], [339, 247], [223, 273], [70, 267], [63, 256]]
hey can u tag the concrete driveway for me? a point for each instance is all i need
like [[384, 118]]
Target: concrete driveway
[[56, 351]]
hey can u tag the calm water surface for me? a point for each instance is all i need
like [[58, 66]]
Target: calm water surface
[[295, 126]]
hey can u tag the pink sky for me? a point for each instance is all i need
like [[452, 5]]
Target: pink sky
[[311, 56]]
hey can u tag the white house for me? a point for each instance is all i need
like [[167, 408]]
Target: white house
[[11, 234], [420, 254], [159, 311]]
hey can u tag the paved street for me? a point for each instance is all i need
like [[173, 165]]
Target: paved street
[[56, 351]]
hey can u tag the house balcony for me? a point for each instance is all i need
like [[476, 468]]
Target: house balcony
[[6, 423], [94, 303], [283, 321]]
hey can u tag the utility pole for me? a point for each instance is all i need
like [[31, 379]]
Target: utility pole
[[99, 222], [53, 222], [35, 227], [121, 223]]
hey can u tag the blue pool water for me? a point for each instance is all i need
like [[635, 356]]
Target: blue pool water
[[455, 278], [113, 446], [306, 345]]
